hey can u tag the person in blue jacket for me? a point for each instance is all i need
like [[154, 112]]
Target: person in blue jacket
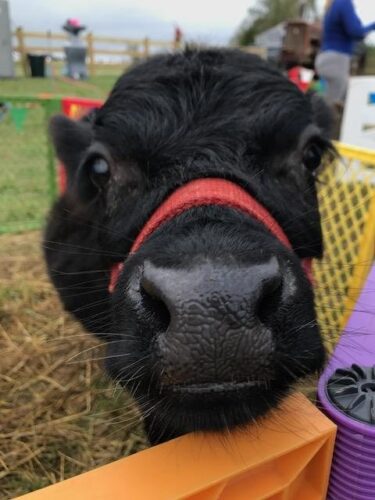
[[342, 28]]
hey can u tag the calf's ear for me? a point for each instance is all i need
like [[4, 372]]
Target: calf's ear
[[70, 139], [322, 114]]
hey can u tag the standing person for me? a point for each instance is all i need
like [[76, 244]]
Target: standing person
[[342, 28], [75, 52]]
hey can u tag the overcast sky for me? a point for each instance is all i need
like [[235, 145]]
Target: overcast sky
[[201, 20]]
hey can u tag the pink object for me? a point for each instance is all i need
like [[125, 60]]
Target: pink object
[[74, 22]]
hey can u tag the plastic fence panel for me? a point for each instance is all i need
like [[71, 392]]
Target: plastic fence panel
[[347, 205], [26, 176], [28, 172]]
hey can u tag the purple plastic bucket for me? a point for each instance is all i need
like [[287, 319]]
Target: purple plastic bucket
[[350, 464], [346, 393], [338, 492]]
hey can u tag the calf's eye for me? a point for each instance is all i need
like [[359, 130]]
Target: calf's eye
[[99, 171], [312, 157], [100, 166]]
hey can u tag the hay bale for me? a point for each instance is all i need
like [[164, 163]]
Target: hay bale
[[59, 414]]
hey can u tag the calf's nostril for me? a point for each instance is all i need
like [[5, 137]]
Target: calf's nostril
[[154, 305], [270, 296]]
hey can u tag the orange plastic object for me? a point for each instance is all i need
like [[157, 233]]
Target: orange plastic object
[[287, 456]]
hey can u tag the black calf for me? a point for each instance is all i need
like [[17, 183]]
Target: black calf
[[212, 320]]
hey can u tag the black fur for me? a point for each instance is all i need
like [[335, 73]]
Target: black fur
[[212, 113]]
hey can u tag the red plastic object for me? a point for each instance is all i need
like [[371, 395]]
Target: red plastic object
[[75, 108], [285, 456], [61, 178], [301, 77]]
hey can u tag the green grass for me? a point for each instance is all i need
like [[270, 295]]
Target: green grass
[[95, 87], [23, 174], [24, 196]]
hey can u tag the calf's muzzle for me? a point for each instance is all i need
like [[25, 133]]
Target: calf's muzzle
[[217, 333], [213, 318]]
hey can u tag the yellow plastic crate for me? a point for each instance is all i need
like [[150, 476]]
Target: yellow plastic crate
[[347, 205]]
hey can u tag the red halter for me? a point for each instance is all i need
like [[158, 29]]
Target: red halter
[[203, 192]]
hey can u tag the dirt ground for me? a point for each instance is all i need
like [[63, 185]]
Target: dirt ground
[[59, 415]]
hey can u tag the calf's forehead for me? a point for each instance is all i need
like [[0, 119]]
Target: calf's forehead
[[202, 82], [241, 98]]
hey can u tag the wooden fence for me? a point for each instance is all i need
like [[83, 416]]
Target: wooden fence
[[96, 46]]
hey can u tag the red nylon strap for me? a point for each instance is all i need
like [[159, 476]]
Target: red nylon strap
[[203, 192]]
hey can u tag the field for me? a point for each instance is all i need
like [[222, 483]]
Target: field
[[59, 414]]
